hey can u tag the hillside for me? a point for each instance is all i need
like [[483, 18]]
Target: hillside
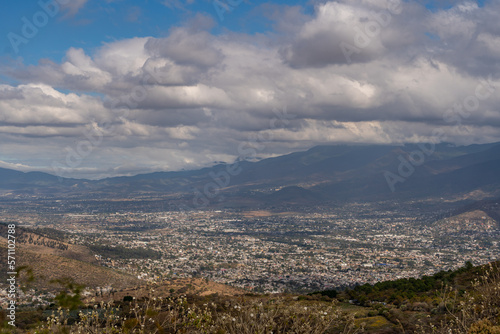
[[51, 259], [457, 301], [491, 209], [190, 286], [30, 241]]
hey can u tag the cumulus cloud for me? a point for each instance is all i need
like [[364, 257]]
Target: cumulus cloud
[[39, 104], [319, 41], [191, 97]]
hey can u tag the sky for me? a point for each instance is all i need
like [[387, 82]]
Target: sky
[[100, 88]]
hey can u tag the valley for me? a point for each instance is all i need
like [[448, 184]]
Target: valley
[[261, 252], [324, 220]]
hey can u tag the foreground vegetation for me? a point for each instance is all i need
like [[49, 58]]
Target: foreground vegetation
[[462, 301], [466, 300], [192, 314]]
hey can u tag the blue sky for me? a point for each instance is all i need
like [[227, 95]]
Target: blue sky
[[344, 71], [98, 22]]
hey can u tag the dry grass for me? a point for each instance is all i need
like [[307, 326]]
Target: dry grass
[[191, 286], [476, 311], [47, 266], [220, 316]]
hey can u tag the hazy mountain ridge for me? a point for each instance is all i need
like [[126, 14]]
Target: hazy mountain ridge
[[324, 173]]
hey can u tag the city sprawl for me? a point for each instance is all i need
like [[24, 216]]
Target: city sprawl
[[270, 252]]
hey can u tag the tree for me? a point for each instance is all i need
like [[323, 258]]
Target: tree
[[70, 296]]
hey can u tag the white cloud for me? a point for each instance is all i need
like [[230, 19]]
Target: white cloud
[[40, 104], [193, 96]]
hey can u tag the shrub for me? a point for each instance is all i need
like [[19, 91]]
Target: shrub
[[185, 315]]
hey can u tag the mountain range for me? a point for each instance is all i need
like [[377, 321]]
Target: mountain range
[[321, 174]]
